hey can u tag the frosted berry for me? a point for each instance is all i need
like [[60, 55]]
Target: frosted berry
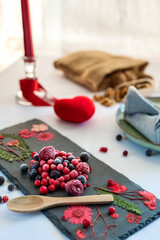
[[67, 177], [60, 167], [33, 173], [40, 170], [149, 152], [62, 153], [74, 174], [44, 174], [62, 185], [36, 157], [34, 165], [1, 180], [32, 161], [51, 188], [24, 168], [82, 179], [44, 182], [86, 223], [74, 162], [51, 182], [10, 187], [5, 198], [74, 187], [37, 183], [53, 167], [66, 170], [43, 190], [71, 166], [50, 161], [58, 160], [47, 153], [119, 137], [42, 162], [125, 153], [111, 210], [70, 158], [45, 168], [57, 183], [83, 167], [84, 156]]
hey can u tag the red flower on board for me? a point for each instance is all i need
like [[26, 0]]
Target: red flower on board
[[149, 199], [39, 127], [133, 218], [25, 133], [116, 188], [45, 136]]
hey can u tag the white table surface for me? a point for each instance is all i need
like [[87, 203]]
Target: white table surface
[[101, 130]]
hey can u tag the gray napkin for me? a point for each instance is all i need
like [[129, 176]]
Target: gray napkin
[[143, 115]]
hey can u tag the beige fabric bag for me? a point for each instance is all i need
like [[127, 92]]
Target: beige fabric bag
[[98, 70]]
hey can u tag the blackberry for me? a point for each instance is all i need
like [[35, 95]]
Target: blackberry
[[55, 174], [1, 180], [84, 156], [10, 187], [24, 167]]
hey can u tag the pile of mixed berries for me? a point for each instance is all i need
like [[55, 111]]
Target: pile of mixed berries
[[52, 169]]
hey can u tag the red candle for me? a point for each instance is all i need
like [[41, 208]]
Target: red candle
[[27, 33]]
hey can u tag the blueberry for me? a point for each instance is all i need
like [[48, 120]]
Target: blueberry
[[149, 152], [1, 180], [10, 187], [36, 157], [34, 165], [70, 158], [84, 156], [38, 177], [33, 173], [82, 179], [71, 166], [119, 137], [1, 199], [55, 174], [58, 160], [24, 167]]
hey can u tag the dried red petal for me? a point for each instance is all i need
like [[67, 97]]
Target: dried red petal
[[80, 234], [114, 215], [103, 149]]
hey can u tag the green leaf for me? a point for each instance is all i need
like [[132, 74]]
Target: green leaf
[[8, 156]]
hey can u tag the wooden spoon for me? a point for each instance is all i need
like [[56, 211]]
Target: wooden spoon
[[32, 203]]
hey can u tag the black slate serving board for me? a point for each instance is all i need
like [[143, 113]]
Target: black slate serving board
[[98, 177]]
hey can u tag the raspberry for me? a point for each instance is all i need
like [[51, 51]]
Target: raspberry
[[83, 167], [74, 174], [62, 185], [51, 188], [47, 153], [44, 182], [67, 177], [43, 190], [45, 168], [60, 167], [53, 167], [125, 153], [111, 210], [74, 187], [44, 174], [50, 161], [33, 153], [74, 162], [103, 149], [5, 198], [37, 183], [42, 162], [66, 170], [86, 223]]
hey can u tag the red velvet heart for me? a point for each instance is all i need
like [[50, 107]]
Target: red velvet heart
[[77, 109]]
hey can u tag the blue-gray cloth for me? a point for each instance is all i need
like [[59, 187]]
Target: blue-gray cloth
[[143, 115]]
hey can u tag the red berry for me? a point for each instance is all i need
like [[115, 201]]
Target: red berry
[[43, 190], [74, 162], [45, 168], [32, 161], [53, 167], [69, 154], [86, 223], [44, 182], [66, 170], [51, 182], [80, 173], [57, 183], [111, 210], [62, 185], [65, 164], [62, 153], [40, 170], [86, 176], [33, 153], [90, 169], [44, 174], [60, 167], [42, 162], [87, 185], [64, 157], [111, 182], [84, 186], [125, 153], [5, 198], [67, 177], [74, 174], [1, 136], [64, 218], [48, 178], [61, 179], [51, 188], [50, 161], [37, 183], [103, 149]]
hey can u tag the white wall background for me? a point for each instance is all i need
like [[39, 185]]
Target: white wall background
[[126, 27]]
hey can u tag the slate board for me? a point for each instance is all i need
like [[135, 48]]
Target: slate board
[[99, 176]]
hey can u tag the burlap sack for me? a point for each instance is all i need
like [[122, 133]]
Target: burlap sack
[[98, 70]]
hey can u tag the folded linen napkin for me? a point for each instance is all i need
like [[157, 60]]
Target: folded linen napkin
[[143, 115]]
